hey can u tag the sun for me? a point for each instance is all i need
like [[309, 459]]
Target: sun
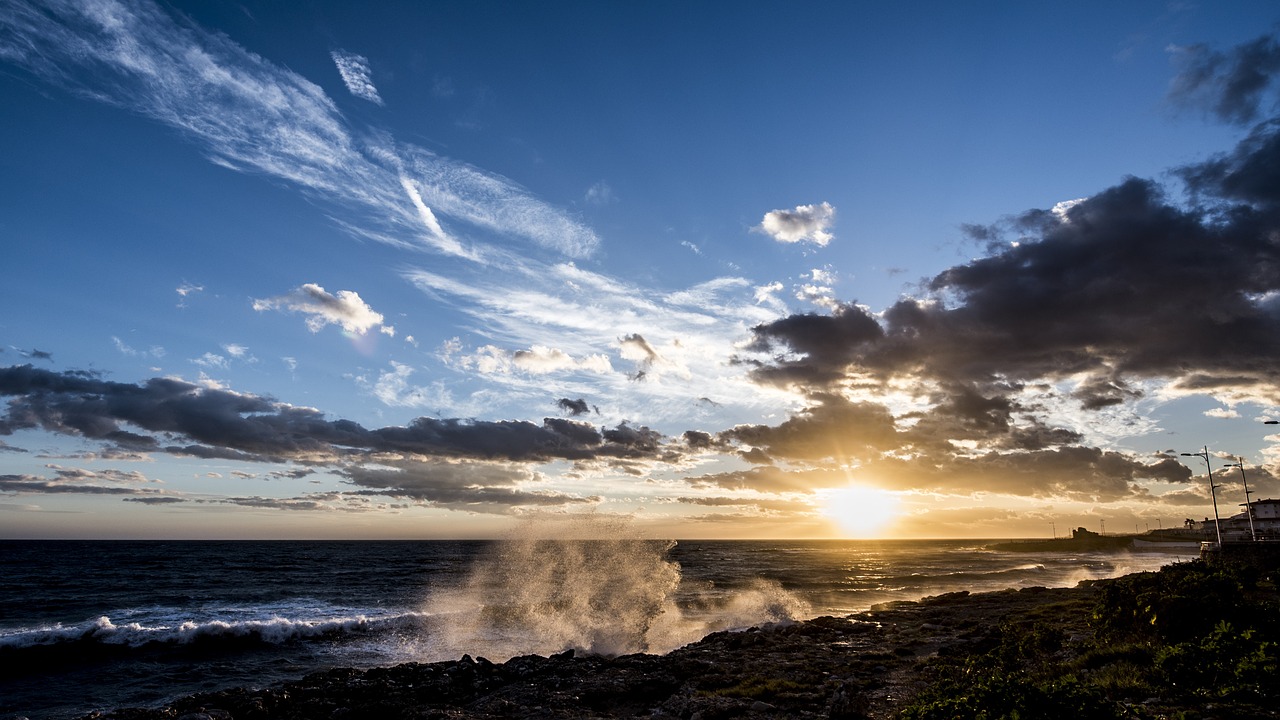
[[860, 511]]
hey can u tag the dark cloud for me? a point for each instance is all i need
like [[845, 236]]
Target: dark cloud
[[1075, 473], [471, 465], [644, 441], [156, 500], [1122, 286], [34, 484], [761, 504], [1102, 295], [228, 425], [1231, 85], [574, 407], [828, 344], [698, 440], [269, 503], [1247, 175], [469, 486], [770, 479], [833, 428], [295, 474]]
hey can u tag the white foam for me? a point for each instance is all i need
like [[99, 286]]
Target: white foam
[[588, 583], [164, 628]]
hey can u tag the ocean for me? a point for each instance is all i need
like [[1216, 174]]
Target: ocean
[[88, 625]]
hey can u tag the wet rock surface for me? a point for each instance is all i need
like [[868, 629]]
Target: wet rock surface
[[861, 666]]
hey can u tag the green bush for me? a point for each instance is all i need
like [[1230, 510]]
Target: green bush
[[1011, 696], [1225, 664]]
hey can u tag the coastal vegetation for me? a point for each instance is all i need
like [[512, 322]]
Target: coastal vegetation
[[1192, 640]]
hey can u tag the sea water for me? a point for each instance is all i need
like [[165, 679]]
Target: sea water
[[88, 625]]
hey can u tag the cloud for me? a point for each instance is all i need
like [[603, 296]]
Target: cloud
[[72, 481], [211, 361], [345, 309], [250, 115], [806, 223], [1030, 313], [222, 423], [356, 74], [156, 499], [466, 465], [35, 354], [540, 360], [636, 348], [584, 315], [1231, 85], [995, 374], [600, 194], [155, 352], [761, 504], [574, 407], [537, 360], [467, 486]]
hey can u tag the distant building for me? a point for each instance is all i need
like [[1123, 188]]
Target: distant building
[[1266, 510], [1266, 522]]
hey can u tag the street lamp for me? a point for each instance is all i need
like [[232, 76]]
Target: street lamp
[[1248, 507], [1217, 526]]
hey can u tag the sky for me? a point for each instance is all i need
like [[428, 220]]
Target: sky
[[729, 270]]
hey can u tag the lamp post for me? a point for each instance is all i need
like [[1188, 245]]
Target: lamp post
[[1217, 525], [1248, 507]]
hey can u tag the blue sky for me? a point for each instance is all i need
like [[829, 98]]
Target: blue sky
[[424, 269]]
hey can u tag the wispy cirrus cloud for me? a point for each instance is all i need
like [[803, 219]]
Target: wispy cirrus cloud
[[251, 115], [680, 341], [356, 74]]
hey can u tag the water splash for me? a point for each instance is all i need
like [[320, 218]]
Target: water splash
[[589, 583]]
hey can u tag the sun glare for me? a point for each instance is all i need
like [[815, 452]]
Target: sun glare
[[860, 511]]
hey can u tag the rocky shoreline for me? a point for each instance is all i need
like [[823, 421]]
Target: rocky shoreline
[[861, 666], [1194, 641]]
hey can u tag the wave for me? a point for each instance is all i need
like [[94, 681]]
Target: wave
[[103, 631], [592, 584]]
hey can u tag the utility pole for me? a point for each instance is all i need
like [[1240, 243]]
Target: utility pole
[[1248, 506]]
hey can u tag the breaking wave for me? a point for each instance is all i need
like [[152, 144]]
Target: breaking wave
[[157, 632], [593, 585]]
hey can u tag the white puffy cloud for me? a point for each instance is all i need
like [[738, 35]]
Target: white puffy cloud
[[322, 308], [806, 223]]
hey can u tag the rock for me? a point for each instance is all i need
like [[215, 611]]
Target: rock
[[851, 668]]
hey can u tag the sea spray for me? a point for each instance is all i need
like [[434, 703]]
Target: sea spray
[[591, 584]]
